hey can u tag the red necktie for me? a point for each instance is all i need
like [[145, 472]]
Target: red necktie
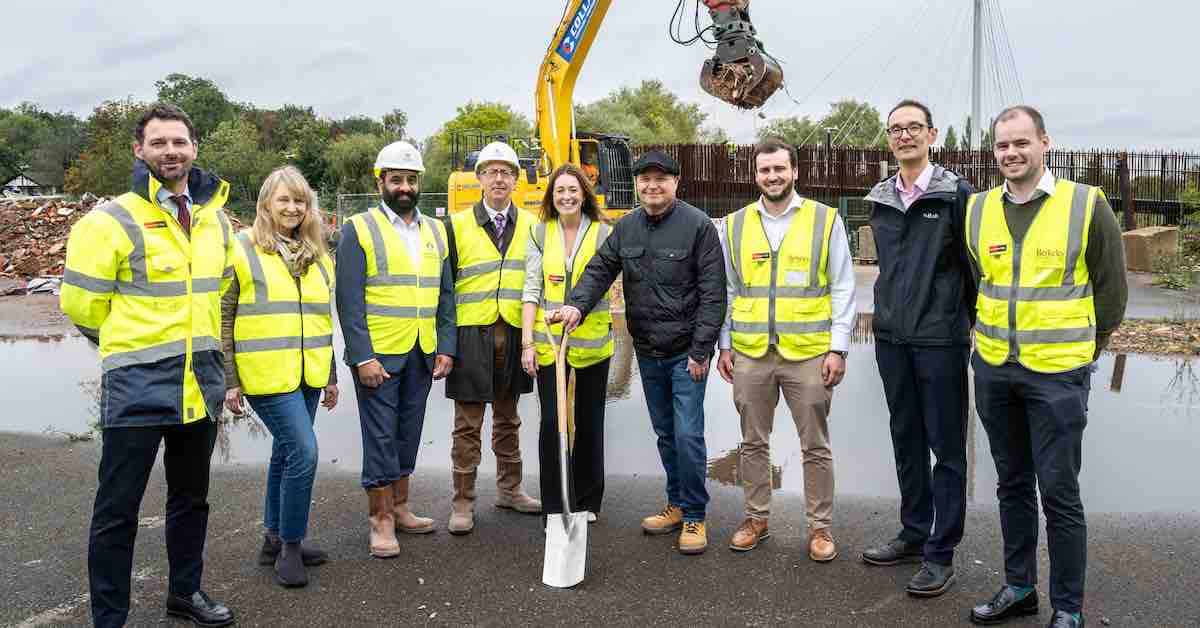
[[185, 216]]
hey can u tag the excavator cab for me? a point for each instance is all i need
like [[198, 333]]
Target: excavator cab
[[608, 164], [463, 189], [740, 73]]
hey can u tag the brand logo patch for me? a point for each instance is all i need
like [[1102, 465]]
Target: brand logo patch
[[570, 40], [997, 249], [758, 257], [1050, 253], [557, 278], [932, 215], [157, 224]]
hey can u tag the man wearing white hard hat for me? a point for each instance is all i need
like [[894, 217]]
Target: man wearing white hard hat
[[395, 300], [487, 257]]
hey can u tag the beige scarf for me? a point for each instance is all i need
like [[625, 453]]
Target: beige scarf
[[295, 255]]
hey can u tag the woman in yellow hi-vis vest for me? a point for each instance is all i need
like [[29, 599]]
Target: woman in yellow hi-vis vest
[[559, 249], [277, 335]]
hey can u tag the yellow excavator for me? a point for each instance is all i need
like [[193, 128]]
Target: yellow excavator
[[740, 73]]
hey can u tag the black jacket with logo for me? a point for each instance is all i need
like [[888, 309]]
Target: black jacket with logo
[[925, 294], [674, 280]]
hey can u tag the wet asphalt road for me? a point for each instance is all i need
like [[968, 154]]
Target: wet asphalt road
[[1141, 571]]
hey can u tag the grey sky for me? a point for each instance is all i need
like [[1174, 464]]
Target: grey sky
[[429, 57]]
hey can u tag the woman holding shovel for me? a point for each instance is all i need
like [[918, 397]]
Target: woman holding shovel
[[570, 231]]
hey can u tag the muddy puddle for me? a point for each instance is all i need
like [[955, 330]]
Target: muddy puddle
[[1140, 447]]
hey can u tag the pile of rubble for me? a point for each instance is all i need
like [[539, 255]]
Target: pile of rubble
[[34, 231]]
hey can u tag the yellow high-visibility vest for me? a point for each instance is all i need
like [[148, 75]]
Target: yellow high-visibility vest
[[283, 328], [401, 299], [148, 292], [1035, 299], [488, 286], [783, 296], [592, 340]]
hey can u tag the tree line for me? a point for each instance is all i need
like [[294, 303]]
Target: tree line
[[243, 142]]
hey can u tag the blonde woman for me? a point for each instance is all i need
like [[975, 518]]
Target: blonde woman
[[277, 335]]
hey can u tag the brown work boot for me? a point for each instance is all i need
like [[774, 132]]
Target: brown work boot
[[462, 508], [509, 492], [821, 547], [693, 539], [665, 522], [382, 519], [406, 521], [749, 534]]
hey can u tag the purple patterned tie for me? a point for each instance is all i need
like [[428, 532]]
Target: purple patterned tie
[[499, 220]]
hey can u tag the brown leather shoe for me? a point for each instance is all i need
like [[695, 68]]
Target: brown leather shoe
[[693, 539], [383, 523], [406, 521], [821, 547], [519, 501], [749, 534], [462, 507]]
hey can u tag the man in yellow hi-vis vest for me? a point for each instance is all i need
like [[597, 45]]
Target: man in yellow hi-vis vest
[[1052, 288], [487, 253], [143, 279], [396, 309], [790, 286]]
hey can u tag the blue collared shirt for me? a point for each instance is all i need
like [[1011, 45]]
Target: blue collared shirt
[[168, 204]]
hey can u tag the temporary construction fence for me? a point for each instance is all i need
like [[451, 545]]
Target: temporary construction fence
[[433, 205]]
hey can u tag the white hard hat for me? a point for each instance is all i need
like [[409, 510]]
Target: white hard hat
[[399, 156], [498, 151]]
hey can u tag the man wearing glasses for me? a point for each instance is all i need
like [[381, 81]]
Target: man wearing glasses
[[487, 259], [924, 309]]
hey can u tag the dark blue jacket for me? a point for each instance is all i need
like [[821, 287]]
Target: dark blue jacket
[[925, 294]]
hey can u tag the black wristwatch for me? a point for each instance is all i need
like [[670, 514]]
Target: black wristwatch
[[841, 353]]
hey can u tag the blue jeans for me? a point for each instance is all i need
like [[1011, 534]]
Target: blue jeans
[[676, 404], [289, 417]]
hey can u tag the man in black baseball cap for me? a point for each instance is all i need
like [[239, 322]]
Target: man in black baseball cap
[[656, 159], [674, 275]]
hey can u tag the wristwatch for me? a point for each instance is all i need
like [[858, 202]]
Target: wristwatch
[[841, 353]]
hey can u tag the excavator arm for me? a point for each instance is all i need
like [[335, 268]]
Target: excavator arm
[[739, 74]]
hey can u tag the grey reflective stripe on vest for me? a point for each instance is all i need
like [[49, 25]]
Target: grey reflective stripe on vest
[[282, 343], [787, 292], [977, 224], [206, 284], [1079, 203], [163, 351], [478, 297], [437, 238], [381, 258], [324, 273], [263, 305], [395, 311], [808, 327], [735, 244], [1053, 293], [257, 276], [225, 228], [478, 269], [576, 343], [137, 256], [539, 235], [87, 282], [282, 307], [514, 264], [404, 280], [383, 275], [1040, 336], [818, 243]]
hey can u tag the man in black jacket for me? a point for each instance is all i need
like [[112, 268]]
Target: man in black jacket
[[924, 305], [674, 281]]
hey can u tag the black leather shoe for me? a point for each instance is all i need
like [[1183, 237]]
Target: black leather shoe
[[1062, 619], [1004, 606], [199, 608], [931, 581], [272, 545], [289, 567], [894, 552]]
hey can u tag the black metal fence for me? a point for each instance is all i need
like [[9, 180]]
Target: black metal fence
[[719, 179]]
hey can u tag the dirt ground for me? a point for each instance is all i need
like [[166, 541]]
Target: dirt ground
[[32, 315]]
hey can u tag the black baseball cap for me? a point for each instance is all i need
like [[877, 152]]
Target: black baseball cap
[[655, 159]]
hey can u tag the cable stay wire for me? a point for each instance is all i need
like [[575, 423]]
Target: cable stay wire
[[859, 116], [1012, 61]]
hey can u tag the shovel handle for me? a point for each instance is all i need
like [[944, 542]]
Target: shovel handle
[[560, 378]]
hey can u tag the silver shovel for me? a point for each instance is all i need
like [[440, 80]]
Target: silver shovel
[[566, 533]]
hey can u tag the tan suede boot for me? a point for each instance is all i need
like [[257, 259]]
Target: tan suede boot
[[406, 521], [383, 525], [462, 508], [509, 492]]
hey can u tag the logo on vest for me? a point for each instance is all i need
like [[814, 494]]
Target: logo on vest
[[796, 261], [759, 257], [997, 249], [557, 278], [158, 224], [1054, 253], [931, 215]]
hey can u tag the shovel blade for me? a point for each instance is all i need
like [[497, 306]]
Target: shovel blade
[[566, 550]]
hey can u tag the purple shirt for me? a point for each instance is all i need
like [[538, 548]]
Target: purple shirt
[[910, 196]]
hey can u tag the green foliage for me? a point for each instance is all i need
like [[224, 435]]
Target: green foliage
[[203, 101], [232, 152], [487, 117], [855, 124], [1190, 197], [359, 125], [950, 142], [1174, 272], [648, 114], [106, 162], [713, 135], [351, 161]]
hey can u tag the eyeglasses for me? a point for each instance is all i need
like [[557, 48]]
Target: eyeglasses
[[913, 129], [498, 172]]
